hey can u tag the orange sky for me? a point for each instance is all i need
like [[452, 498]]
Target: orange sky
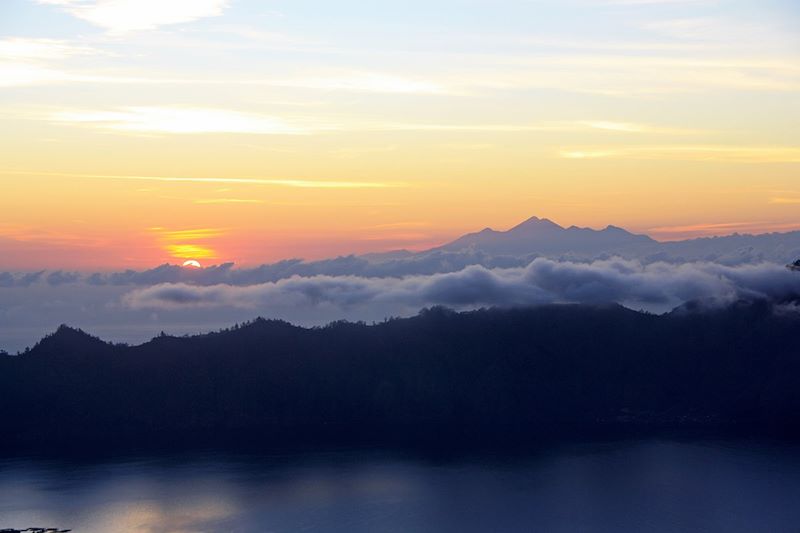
[[225, 131]]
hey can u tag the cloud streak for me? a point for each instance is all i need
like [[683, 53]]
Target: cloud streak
[[298, 183], [554, 126], [181, 120], [734, 154]]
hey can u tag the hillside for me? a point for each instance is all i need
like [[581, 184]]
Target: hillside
[[496, 375]]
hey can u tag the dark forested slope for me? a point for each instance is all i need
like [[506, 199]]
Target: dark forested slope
[[492, 374]]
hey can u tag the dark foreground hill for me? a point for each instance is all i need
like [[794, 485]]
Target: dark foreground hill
[[492, 376]]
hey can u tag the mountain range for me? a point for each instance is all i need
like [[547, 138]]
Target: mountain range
[[535, 262], [542, 237]]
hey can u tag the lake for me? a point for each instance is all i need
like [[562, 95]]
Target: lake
[[651, 485]]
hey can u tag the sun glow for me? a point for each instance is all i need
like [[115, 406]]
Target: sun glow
[[182, 251], [191, 263]]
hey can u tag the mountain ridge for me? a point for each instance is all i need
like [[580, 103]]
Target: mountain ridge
[[493, 375], [537, 237], [543, 236]]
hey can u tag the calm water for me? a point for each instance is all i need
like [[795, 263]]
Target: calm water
[[635, 486]]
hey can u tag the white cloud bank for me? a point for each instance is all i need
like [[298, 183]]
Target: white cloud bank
[[134, 306], [543, 281]]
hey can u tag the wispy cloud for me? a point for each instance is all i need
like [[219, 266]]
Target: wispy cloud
[[121, 16], [737, 154], [188, 243], [553, 126], [610, 73], [693, 28], [181, 120], [666, 233], [740, 36], [353, 152], [406, 224], [655, 2], [595, 45], [192, 234], [486, 127], [373, 82], [630, 127], [298, 183], [16, 48], [785, 200], [18, 73], [48, 236], [633, 74], [228, 201], [21, 73], [190, 251], [702, 228], [252, 35]]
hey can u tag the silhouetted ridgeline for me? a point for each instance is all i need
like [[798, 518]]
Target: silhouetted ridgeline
[[491, 374]]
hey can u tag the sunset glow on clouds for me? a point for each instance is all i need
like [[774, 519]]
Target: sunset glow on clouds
[[314, 129]]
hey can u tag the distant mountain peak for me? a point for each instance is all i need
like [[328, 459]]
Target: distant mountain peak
[[536, 223], [611, 227], [543, 236]]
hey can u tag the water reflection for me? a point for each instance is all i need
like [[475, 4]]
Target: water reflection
[[634, 486]]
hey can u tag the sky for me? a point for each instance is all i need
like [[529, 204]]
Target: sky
[[139, 132]]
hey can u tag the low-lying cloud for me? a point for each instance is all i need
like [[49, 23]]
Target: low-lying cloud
[[134, 306], [542, 281], [733, 250], [228, 274]]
